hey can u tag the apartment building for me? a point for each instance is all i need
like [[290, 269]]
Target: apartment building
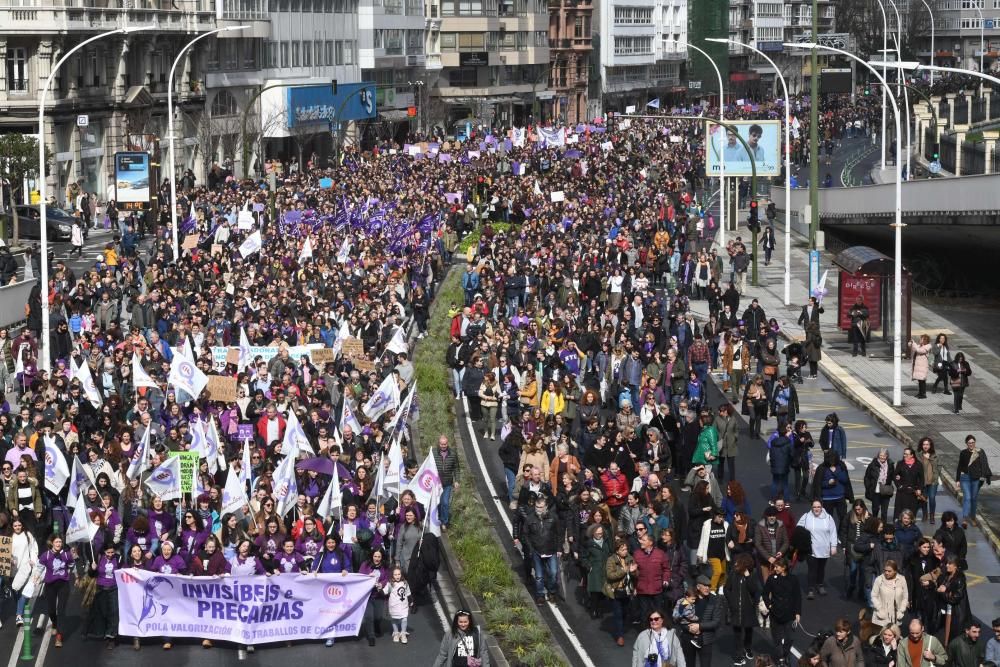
[[960, 27], [570, 46], [641, 49], [487, 61]]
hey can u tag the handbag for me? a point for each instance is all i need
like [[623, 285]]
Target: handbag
[[770, 370], [886, 490]]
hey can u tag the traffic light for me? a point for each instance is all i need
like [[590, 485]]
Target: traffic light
[[936, 155], [754, 223], [868, 90]]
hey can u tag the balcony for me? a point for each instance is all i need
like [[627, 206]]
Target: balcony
[[17, 86], [433, 62], [45, 20]]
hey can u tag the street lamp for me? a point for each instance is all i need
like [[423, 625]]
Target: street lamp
[[982, 33], [885, 54], [722, 158], [898, 39], [788, 160], [897, 318], [933, 52], [42, 205], [170, 121]]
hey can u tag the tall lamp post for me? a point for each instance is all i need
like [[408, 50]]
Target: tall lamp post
[[722, 158], [170, 122], [885, 55], [982, 33], [788, 159], [933, 52], [42, 189], [897, 318]]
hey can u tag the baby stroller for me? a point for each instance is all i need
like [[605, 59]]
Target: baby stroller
[[795, 358]]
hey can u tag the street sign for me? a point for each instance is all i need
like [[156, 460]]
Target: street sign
[[934, 167], [83, 120]]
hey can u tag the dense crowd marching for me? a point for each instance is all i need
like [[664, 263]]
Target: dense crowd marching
[[575, 345]]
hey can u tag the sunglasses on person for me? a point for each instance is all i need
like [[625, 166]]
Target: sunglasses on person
[[655, 619]]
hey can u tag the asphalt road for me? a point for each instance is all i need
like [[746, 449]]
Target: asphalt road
[[589, 642]]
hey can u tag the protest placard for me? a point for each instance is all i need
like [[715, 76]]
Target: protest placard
[[221, 388], [353, 348], [190, 242], [322, 355]]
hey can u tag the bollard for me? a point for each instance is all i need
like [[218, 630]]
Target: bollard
[[26, 629]]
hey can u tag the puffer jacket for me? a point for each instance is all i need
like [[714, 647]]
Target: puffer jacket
[[653, 571]]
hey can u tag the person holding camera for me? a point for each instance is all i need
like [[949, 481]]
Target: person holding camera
[[658, 645]]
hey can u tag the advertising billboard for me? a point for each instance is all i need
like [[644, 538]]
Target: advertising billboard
[[319, 104], [132, 177], [764, 138]]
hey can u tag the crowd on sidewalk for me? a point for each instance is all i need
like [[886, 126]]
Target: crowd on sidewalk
[[584, 368]]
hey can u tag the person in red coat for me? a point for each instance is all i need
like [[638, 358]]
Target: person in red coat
[[271, 425], [616, 487], [652, 577]]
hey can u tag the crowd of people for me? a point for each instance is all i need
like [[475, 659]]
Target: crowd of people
[[574, 346], [579, 359]]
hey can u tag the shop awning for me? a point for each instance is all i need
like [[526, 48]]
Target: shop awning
[[864, 260]]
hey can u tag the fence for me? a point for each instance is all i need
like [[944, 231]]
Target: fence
[[948, 153], [973, 158]]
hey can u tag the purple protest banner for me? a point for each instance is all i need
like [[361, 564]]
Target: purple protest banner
[[244, 432], [444, 157], [258, 208]]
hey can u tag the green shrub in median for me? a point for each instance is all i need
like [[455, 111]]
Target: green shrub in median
[[473, 238], [510, 615]]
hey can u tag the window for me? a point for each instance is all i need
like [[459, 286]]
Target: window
[[449, 41], [414, 7], [973, 4], [339, 52], [272, 55], [580, 28], [284, 54], [224, 104], [471, 40], [296, 53], [393, 42], [541, 39], [349, 47], [625, 15], [633, 46], [318, 51], [95, 69], [307, 51], [328, 48], [462, 7], [17, 69], [414, 41], [463, 77], [393, 6]]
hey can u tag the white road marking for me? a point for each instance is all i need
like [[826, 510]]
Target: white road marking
[[556, 612]]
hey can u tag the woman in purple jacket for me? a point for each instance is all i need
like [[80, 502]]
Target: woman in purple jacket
[[168, 562], [58, 564], [208, 562], [193, 534], [103, 619], [377, 567], [245, 563]]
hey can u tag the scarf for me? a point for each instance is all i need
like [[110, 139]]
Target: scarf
[[741, 531]]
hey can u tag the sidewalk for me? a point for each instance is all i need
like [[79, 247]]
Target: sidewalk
[[867, 381]]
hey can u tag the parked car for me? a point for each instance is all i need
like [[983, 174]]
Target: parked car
[[58, 221]]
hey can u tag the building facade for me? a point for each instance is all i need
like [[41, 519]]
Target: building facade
[[487, 62], [641, 51], [391, 40], [570, 47], [109, 96], [959, 31]]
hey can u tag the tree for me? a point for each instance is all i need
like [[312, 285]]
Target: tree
[[862, 19], [18, 161]]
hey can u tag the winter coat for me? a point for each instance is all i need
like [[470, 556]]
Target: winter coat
[[835, 655], [645, 645], [742, 592], [617, 576], [708, 444], [24, 552], [653, 570], [542, 534], [595, 558], [920, 366], [728, 428], [768, 546], [706, 529], [783, 598], [890, 598], [781, 455], [871, 478]]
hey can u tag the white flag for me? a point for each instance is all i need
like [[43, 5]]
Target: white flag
[[141, 458], [251, 245], [398, 342], [432, 522], [295, 440], [344, 253], [399, 420], [140, 378], [245, 359], [386, 397], [89, 386], [187, 377], [333, 497], [234, 494], [199, 443], [285, 488], [165, 479], [19, 364], [80, 478], [307, 250], [246, 469], [214, 444], [187, 350], [56, 469], [393, 478], [426, 480], [197, 488], [80, 528], [347, 418]]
